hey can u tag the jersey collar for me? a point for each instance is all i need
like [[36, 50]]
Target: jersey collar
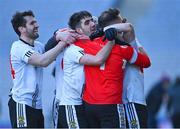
[[26, 42]]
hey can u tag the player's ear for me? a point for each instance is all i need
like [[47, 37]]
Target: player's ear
[[79, 30], [21, 29]]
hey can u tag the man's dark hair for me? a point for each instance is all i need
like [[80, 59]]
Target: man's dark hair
[[18, 20], [75, 19], [108, 17]]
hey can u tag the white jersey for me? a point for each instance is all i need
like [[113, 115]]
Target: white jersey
[[73, 79], [27, 79], [133, 84], [59, 75]]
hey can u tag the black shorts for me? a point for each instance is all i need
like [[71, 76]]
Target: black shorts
[[22, 116], [136, 115], [71, 116], [105, 115]]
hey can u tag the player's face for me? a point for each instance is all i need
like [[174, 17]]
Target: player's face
[[88, 26], [31, 29]]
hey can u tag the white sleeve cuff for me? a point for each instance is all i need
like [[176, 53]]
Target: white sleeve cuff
[[116, 26], [134, 57]]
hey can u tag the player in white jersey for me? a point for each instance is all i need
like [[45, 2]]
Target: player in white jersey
[[27, 58], [133, 93], [133, 90]]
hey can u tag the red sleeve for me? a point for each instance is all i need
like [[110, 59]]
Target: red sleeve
[[127, 52], [143, 61], [132, 56]]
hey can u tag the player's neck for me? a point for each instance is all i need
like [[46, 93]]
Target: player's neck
[[27, 40]]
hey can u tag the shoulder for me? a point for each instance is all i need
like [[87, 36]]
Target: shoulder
[[73, 47], [39, 45], [19, 45], [73, 50]]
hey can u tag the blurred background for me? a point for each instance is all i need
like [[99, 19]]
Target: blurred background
[[157, 26]]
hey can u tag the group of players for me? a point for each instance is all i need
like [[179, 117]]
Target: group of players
[[99, 73]]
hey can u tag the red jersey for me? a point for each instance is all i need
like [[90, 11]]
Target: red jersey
[[104, 83]]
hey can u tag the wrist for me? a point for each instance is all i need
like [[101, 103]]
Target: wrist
[[64, 44], [57, 37]]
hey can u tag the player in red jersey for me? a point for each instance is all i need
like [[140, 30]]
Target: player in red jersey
[[103, 91]]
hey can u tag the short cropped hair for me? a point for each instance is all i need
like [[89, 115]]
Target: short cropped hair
[[108, 16], [18, 20], [75, 19]]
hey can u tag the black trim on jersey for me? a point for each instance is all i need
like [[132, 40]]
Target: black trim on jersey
[[28, 54], [26, 42], [82, 52]]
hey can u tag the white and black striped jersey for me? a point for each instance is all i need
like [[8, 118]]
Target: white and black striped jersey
[[27, 79], [73, 78]]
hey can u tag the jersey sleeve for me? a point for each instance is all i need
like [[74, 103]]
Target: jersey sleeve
[[21, 52], [129, 54], [26, 53], [134, 57], [75, 53], [142, 61]]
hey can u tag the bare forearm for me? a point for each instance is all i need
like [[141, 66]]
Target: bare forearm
[[100, 57], [105, 51], [121, 27], [51, 55], [48, 57]]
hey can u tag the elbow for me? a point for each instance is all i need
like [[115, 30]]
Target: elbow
[[147, 64], [43, 63]]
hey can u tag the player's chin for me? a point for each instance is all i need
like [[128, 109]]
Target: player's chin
[[93, 30], [36, 35]]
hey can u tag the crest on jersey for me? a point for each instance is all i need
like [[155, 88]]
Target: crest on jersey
[[21, 121], [134, 123], [72, 124]]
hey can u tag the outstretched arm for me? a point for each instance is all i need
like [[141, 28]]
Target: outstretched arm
[[48, 57], [100, 57], [126, 30]]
